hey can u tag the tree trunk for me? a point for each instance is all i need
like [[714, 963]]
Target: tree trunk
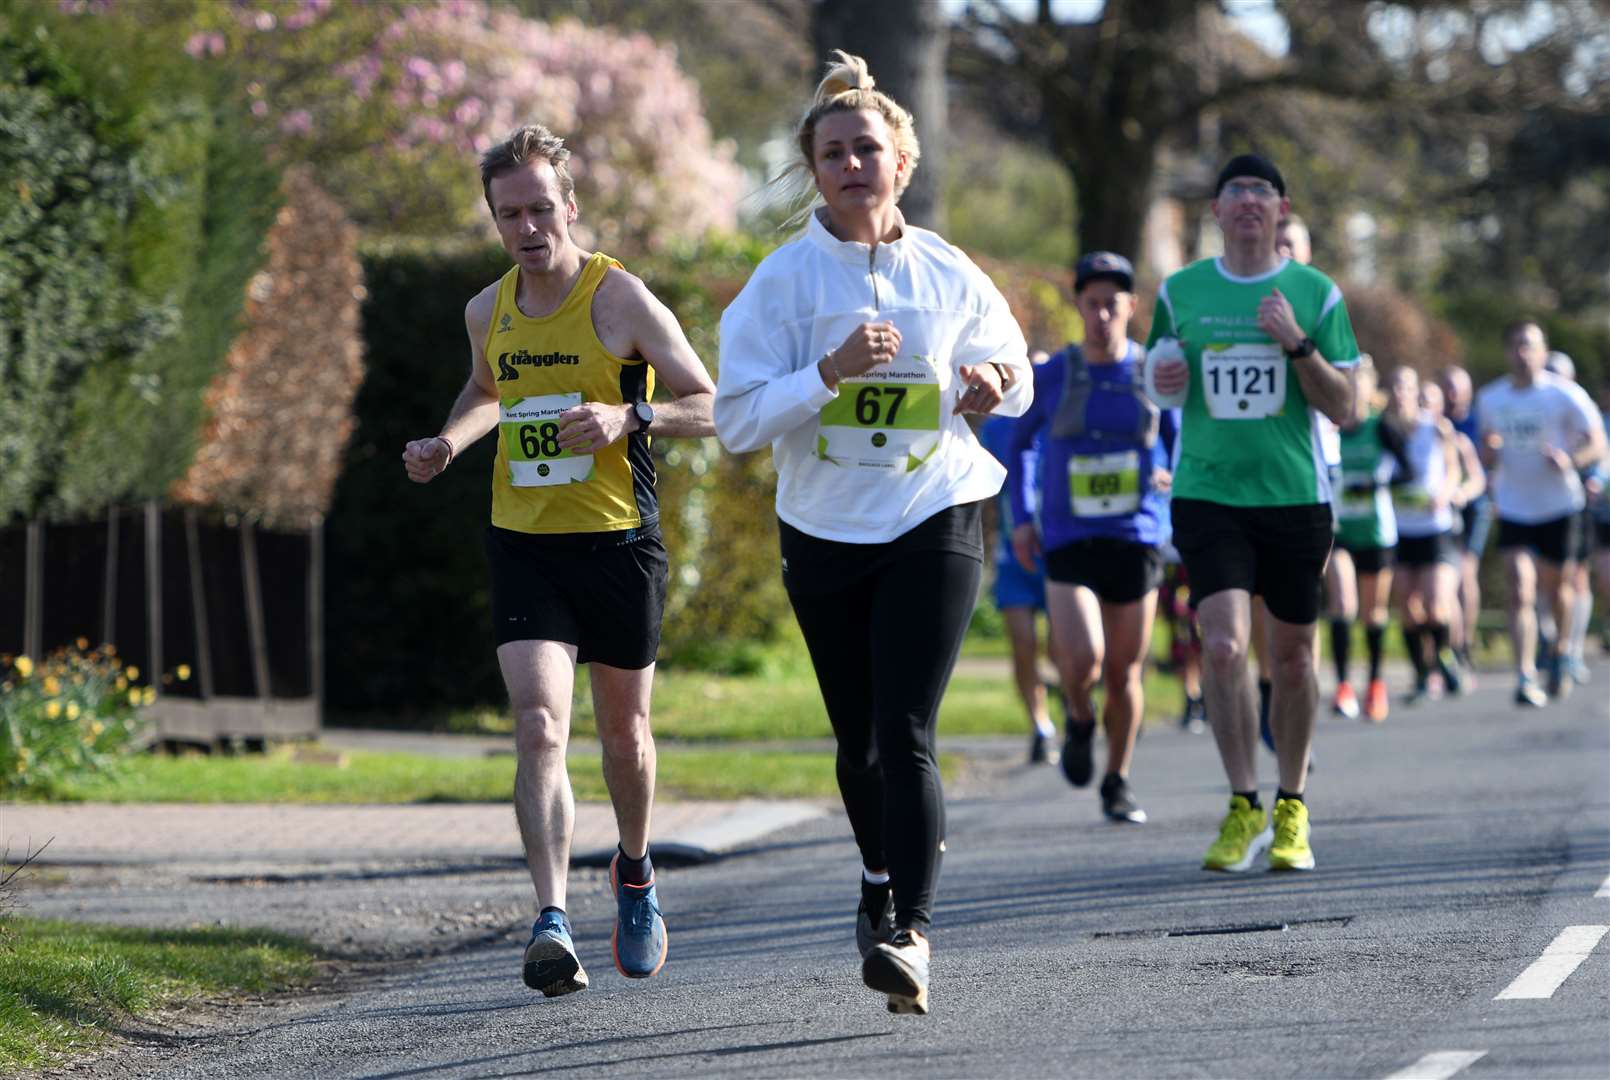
[[904, 44]]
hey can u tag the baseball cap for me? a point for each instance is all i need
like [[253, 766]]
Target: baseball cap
[[1103, 264]]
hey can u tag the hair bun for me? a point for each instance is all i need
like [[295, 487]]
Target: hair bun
[[846, 74]]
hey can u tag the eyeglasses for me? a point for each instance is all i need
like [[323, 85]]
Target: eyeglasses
[[1235, 189]]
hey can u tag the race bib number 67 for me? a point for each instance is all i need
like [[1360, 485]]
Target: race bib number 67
[[886, 419], [1243, 381]]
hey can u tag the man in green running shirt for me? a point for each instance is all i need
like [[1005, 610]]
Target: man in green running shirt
[[1265, 341]]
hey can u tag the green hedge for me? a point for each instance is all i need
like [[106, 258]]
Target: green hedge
[[133, 212]]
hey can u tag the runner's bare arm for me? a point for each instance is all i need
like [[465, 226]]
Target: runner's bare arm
[[1327, 388], [631, 322], [474, 412]]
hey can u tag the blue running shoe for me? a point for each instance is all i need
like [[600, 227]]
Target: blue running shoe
[[640, 939], [550, 958]]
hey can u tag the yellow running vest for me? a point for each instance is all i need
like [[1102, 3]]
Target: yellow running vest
[[543, 367]]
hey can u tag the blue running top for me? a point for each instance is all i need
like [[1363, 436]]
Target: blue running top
[[1100, 443], [996, 434]]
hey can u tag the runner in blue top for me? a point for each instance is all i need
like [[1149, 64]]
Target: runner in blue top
[[1105, 454]]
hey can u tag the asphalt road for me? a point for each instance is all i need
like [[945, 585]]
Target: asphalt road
[[1454, 845]]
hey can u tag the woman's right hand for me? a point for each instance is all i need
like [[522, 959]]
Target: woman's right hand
[[868, 345], [1026, 546]]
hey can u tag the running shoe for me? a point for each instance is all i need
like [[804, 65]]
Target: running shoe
[[869, 935], [1244, 834], [1078, 765], [1118, 802], [1375, 702], [1529, 694], [550, 958], [899, 968], [1578, 669], [639, 941], [1290, 850], [1042, 749], [1420, 694], [1559, 686], [1194, 719], [1345, 703]]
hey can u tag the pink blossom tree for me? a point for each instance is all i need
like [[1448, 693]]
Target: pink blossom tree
[[392, 100]]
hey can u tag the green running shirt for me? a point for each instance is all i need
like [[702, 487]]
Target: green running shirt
[[1248, 436]]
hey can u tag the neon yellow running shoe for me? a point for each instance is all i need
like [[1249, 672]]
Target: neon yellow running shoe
[[1290, 850], [1244, 834]]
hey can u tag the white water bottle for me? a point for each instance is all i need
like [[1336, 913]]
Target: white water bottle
[[1167, 350]]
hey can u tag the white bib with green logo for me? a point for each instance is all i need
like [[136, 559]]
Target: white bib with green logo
[[1358, 499], [1243, 381], [885, 419], [1103, 484], [530, 430]]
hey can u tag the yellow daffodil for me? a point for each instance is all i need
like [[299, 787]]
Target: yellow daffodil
[[24, 666], [96, 728], [72, 710], [149, 695], [135, 696], [122, 684], [52, 709], [82, 643], [52, 685], [132, 672], [183, 671]]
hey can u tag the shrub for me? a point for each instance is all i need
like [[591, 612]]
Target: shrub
[[135, 207], [74, 712]]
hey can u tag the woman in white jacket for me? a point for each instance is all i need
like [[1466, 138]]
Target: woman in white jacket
[[854, 351]]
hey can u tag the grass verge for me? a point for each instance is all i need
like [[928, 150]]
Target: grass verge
[[279, 777], [63, 985]]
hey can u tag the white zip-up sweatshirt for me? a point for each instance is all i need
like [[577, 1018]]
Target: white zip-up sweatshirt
[[883, 453]]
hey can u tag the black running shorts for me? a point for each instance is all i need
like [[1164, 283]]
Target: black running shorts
[[1371, 560], [1418, 551], [604, 593], [1277, 552], [1552, 541], [1117, 571]]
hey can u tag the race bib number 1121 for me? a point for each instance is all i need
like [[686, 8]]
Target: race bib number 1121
[[1243, 381]]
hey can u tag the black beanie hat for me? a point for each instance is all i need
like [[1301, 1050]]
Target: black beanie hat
[[1250, 165]]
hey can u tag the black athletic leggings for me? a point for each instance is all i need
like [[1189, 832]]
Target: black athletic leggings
[[883, 648]]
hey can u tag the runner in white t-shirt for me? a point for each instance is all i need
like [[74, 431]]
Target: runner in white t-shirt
[[1537, 432]]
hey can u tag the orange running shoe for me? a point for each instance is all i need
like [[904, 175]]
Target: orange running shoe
[[1375, 707], [1345, 703]]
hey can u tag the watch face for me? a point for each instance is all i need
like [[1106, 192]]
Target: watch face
[[645, 413]]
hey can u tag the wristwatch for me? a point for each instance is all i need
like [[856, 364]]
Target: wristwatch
[[1305, 347], [645, 414]]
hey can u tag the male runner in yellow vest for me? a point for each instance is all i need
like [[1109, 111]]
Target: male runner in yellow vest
[[565, 350]]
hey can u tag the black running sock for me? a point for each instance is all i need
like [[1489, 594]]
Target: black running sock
[[1374, 641], [1251, 797], [1341, 646], [875, 895], [1266, 690], [1411, 642], [633, 871], [1282, 793]]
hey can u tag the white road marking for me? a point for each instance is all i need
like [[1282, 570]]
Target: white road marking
[[1604, 891], [1439, 1066], [1563, 956]]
